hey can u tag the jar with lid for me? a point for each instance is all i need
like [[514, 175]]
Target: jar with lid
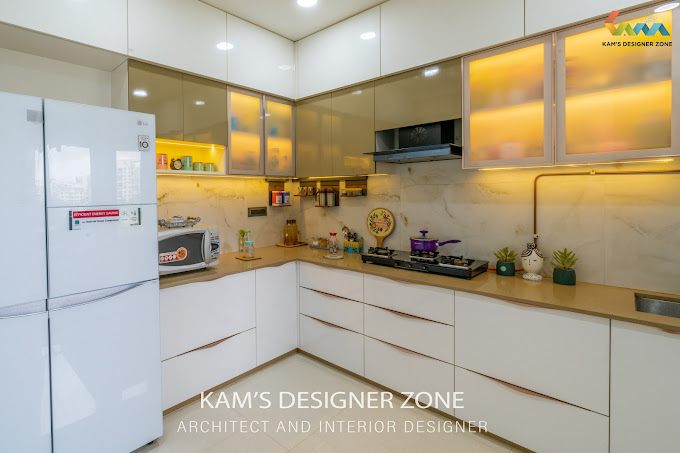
[[287, 233], [295, 233], [333, 244]]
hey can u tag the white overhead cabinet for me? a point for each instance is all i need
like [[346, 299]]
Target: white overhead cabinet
[[341, 55], [182, 34], [97, 23], [417, 33], [260, 59], [542, 15]]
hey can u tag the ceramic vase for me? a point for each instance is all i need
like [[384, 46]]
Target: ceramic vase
[[532, 262]]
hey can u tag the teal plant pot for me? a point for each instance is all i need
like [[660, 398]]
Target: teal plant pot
[[564, 277], [505, 269]]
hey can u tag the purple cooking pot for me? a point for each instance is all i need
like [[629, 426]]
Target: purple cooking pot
[[426, 244]]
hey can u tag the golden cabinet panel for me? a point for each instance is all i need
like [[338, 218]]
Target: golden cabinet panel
[[353, 131], [615, 90], [280, 155], [205, 111], [245, 133], [158, 91], [313, 137], [508, 105], [419, 96]]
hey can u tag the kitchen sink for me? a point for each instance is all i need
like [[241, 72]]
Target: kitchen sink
[[664, 306]]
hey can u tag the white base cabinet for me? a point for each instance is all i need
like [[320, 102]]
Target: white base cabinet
[[333, 309], [645, 399], [337, 282], [339, 346]]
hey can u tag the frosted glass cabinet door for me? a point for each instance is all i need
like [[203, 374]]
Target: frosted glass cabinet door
[[279, 127], [615, 89], [508, 105], [245, 133]]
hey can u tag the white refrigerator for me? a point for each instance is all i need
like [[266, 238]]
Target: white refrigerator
[[25, 424], [103, 295]]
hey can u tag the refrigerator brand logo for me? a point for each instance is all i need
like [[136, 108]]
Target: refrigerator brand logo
[[179, 255], [142, 123], [640, 27]]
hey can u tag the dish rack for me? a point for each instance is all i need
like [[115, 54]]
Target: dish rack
[[188, 222]]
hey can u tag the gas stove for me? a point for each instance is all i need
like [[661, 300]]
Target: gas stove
[[431, 262]]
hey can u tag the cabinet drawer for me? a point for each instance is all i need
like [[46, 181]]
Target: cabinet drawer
[[338, 282], [515, 414], [189, 374], [418, 300], [198, 314], [332, 343], [333, 309], [406, 371], [556, 353], [420, 335]]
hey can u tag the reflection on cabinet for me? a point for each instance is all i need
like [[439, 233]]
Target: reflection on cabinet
[[613, 102], [541, 15], [353, 131], [279, 138], [245, 133], [205, 110], [313, 137], [508, 105], [419, 96]]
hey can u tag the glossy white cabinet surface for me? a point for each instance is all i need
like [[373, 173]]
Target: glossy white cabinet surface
[[541, 15], [25, 385], [277, 311], [338, 56], [426, 337], [197, 314], [182, 34], [337, 282], [556, 353], [406, 371], [645, 400], [334, 344], [100, 23], [417, 33], [188, 375], [260, 59], [336, 310], [532, 421], [423, 301]]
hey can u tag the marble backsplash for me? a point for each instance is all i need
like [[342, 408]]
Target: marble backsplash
[[624, 228]]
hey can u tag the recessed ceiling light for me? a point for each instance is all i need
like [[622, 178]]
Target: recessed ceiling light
[[367, 35], [285, 67], [666, 7], [225, 45], [199, 102], [306, 3], [140, 93], [431, 72]]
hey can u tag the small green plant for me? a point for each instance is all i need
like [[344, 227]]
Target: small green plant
[[564, 259], [506, 255], [242, 233]]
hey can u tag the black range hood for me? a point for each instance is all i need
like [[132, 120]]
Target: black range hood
[[420, 143]]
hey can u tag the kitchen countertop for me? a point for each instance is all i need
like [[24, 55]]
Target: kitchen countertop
[[588, 298]]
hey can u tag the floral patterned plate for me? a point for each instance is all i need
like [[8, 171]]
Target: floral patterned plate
[[380, 223]]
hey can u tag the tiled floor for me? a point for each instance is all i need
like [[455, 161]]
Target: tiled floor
[[299, 373]]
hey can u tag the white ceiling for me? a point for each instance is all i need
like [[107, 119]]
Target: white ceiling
[[288, 19]]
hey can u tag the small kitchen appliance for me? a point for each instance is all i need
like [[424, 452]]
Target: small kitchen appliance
[[426, 261], [188, 248]]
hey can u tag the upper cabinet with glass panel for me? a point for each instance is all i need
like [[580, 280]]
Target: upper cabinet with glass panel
[[508, 105], [615, 91], [279, 140]]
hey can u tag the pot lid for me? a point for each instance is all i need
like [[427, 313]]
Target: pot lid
[[424, 237]]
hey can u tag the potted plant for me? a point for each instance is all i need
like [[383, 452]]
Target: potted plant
[[564, 260], [506, 262]]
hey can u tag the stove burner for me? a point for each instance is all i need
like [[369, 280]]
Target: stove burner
[[380, 251], [423, 254], [455, 261]]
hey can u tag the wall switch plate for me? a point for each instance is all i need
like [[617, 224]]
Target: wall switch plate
[[257, 212]]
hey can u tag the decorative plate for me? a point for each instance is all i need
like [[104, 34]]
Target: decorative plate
[[380, 222]]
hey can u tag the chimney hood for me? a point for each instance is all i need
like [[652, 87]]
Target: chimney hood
[[420, 143]]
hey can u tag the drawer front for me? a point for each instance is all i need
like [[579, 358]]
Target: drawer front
[[556, 353], [338, 282], [333, 309], [340, 346], [516, 415], [418, 300], [406, 371], [198, 314], [429, 338], [189, 374]]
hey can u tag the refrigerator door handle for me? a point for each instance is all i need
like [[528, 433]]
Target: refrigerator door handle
[[27, 309], [92, 296]]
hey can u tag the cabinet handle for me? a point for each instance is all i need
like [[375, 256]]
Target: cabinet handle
[[522, 304], [399, 348], [326, 323], [328, 294], [210, 345], [527, 392], [403, 315]]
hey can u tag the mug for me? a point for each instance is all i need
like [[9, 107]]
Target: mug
[[186, 163], [198, 166], [162, 161], [209, 167]]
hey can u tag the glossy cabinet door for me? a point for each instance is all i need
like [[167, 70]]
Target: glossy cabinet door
[[246, 156], [313, 137], [508, 105], [158, 91], [420, 96], [542, 15], [205, 110], [279, 137], [616, 101], [353, 133]]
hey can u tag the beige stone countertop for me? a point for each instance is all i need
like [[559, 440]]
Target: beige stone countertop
[[588, 298]]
